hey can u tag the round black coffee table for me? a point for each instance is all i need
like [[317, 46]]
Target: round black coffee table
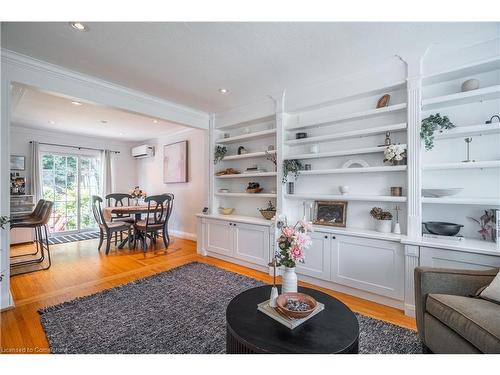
[[333, 330]]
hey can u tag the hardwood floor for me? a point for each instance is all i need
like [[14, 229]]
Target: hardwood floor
[[78, 269]]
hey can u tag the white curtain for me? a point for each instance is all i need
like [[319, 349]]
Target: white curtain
[[35, 176], [107, 182]]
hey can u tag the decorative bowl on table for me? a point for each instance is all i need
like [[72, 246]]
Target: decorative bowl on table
[[295, 305], [442, 228], [440, 193], [226, 210]]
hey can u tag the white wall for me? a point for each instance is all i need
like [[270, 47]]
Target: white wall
[[123, 165], [190, 197]]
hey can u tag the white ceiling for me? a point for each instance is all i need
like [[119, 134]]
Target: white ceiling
[[188, 62], [40, 110]]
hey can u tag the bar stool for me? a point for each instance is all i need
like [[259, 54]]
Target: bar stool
[[30, 217]]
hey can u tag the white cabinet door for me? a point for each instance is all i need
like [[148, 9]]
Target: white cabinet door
[[317, 257], [251, 243], [218, 237], [376, 266], [442, 258]]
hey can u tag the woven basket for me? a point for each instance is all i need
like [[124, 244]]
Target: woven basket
[[268, 214]]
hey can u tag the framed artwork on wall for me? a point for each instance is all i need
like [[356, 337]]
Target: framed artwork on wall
[[17, 162], [331, 213], [175, 162]]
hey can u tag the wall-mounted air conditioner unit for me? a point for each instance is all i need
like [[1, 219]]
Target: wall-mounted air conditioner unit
[[143, 151]]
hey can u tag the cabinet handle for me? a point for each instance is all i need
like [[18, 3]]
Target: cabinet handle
[[230, 223], [326, 237], [333, 237], [234, 224]]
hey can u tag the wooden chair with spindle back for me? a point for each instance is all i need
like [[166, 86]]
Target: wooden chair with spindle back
[[156, 222]]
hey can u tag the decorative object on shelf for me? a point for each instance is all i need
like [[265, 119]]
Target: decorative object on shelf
[[137, 194], [441, 228], [290, 188], [253, 188], [383, 101], [307, 210], [175, 163], [314, 149], [272, 158], [397, 226], [395, 155], [295, 305], [274, 289], [227, 171], [223, 190], [470, 84], [384, 219], [254, 169], [291, 166], [490, 121], [220, 152], [344, 189], [488, 225], [307, 167], [4, 220], [226, 135], [268, 212], [331, 213], [430, 125], [226, 210], [205, 211], [439, 193], [271, 148], [355, 163], [387, 140], [17, 162], [292, 242], [468, 141], [242, 150], [17, 184], [396, 191], [301, 135]]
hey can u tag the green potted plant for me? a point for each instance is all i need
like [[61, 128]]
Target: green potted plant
[[220, 152], [430, 125], [292, 166]]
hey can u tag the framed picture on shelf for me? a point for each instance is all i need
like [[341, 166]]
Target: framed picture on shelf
[[331, 213], [17, 162], [175, 162]]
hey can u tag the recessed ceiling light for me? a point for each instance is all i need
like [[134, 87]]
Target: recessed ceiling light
[[78, 26], [74, 102], [104, 122], [223, 91], [155, 121], [52, 122]]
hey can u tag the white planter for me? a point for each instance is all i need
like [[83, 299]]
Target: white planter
[[384, 226], [289, 278]]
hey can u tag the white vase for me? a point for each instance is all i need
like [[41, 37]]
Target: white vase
[[289, 284], [384, 226]]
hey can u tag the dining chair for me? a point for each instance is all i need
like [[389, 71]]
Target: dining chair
[[156, 222], [119, 200], [105, 227]]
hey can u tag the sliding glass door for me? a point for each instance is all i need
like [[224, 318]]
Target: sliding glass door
[[70, 181]]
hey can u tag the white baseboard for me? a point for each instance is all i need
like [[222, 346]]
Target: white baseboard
[[410, 310], [185, 235]]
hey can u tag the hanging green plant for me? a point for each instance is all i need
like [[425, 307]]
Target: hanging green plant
[[220, 152], [291, 166], [430, 125]]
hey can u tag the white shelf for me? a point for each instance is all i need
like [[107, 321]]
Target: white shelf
[[462, 165], [247, 137], [246, 195], [468, 245], [358, 232], [398, 168], [461, 131], [347, 197], [238, 218], [263, 120], [462, 201], [247, 156], [248, 175], [486, 93], [352, 116], [349, 134], [354, 151]]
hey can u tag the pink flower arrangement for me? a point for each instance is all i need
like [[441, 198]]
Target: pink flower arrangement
[[292, 243]]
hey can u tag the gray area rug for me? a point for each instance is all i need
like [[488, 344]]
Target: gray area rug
[[73, 237], [176, 312]]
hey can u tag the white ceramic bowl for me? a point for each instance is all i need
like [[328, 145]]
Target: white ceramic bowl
[[344, 189], [226, 210], [440, 193]]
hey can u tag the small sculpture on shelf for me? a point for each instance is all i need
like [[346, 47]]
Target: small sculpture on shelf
[[487, 223], [490, 121], [395, 155], [468, 141], [220, 152]]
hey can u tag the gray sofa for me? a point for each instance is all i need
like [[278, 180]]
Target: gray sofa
[[448, 319]]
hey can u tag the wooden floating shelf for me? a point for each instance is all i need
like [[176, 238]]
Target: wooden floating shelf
[[249, 155], [463, 201], [486, 93], [349, 134], [247, 137], [460, 131], [462, 165], [398, 168], [246, 195], [356, 151], [248, 175], [347, 197], [352, 116]]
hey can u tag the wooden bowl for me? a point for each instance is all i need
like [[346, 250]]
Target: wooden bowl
[[254, 191], [283, 299]]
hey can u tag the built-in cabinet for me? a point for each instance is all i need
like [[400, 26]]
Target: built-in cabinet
[[317, 257]]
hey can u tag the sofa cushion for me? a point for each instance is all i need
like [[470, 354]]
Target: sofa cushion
[[492, 291], [476, 320]]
